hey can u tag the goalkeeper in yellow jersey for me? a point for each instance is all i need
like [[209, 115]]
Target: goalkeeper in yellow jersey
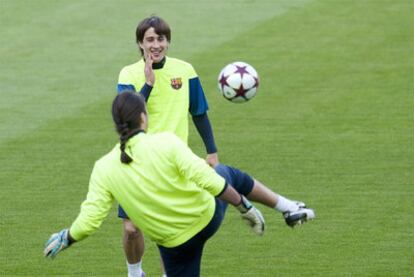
[[169, 193]]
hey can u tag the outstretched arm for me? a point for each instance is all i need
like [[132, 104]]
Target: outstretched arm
[[195, 169], [252, 216], [93, 212]]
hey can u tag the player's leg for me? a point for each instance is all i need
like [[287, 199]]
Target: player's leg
[[294, 212], [162, 268], [133, 244], [181, 262], [185, 260]]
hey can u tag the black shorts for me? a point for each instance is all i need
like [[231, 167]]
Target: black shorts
[[184, 260]]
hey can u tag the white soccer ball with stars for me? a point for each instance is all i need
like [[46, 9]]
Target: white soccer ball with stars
[[238, 82]]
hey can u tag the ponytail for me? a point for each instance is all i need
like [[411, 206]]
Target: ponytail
[[125, 158], [126, 113]]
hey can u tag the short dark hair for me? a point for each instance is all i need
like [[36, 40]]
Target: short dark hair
[[126, 113], [160, 26]]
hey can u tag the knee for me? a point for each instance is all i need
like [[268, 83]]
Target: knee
[[225, 172], [130, 231], [221, 170]]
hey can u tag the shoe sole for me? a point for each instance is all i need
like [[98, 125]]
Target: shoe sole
[[299, 218]]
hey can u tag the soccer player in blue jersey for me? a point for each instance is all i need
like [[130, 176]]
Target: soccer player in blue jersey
[[172, 90], [171, 194]]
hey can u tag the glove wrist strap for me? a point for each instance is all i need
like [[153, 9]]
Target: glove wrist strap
[[244, 205]]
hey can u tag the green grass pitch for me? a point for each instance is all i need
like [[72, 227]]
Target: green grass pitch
[[332, 124]]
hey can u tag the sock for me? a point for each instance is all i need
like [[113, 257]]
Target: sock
[[285, 205], [134, 270]]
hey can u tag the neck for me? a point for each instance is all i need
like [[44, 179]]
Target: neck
[[159, 64]]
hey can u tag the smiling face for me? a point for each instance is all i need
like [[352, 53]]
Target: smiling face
[[154, 44]]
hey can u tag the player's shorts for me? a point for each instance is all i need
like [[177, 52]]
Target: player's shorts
[[184, 260], [239, 180], [122, 213]]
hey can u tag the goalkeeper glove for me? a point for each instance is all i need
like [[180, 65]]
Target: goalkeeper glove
[[252, 216], [56, 243]]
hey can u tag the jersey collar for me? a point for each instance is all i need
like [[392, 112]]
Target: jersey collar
[[134, 137], [159, 65]]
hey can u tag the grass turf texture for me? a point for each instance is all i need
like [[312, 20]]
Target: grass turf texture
[[332, 124]]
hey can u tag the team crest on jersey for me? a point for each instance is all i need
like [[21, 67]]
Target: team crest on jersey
[[176, 83]]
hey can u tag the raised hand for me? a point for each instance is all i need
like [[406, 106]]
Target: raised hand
[[149, 72]]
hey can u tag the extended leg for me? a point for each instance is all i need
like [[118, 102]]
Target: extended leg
[[294, 212]]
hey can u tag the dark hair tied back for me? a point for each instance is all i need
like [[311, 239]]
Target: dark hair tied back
[[125, 158], [126, 110]]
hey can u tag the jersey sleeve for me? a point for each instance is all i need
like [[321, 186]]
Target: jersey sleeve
[[120, 88], [195, 169], [125, 77], [94, 209], [125, 81], [198, 101]]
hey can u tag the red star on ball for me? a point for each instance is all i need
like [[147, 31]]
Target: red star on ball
[[241, 70], [223, 81], [240, 91]]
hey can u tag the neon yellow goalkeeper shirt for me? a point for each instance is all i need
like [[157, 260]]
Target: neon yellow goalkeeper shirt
[[167, 191]]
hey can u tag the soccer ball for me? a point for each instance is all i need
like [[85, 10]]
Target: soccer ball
[[238, 82]]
